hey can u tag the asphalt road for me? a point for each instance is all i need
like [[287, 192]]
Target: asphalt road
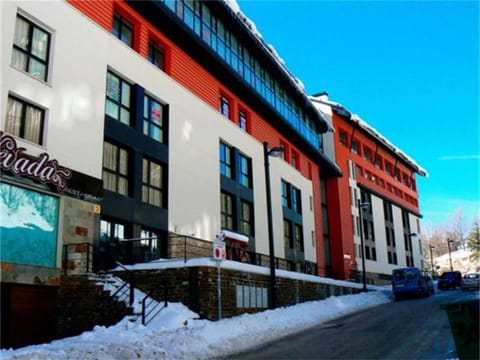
[[406, 329]]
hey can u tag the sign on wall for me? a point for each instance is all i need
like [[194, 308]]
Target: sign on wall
[[43, 169], [28, 226]]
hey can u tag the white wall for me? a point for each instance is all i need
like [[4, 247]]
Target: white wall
[[74, 95]]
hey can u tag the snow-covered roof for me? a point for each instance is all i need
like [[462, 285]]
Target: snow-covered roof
[[235, 8], [402, 155], [323, 99]]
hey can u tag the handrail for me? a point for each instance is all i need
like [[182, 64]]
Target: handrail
[[146, 313], [131, 282]]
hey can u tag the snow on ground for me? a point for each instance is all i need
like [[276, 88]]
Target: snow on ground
[[177, 333]]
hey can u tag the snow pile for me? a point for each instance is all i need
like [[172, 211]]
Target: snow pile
[[178, 334]]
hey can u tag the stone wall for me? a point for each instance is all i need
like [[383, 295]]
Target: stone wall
[[82, 304], [196, 287]]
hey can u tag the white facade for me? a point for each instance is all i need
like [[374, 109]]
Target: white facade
[[74, 100]]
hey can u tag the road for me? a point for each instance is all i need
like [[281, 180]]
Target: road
[[406, 329]]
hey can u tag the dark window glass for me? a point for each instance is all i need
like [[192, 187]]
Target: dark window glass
[[122, 29], [31, 46], [24, 120], [343, 137], [156, 55]]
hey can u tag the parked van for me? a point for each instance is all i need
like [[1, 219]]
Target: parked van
[[411, 281]]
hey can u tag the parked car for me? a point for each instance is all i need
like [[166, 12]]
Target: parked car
[[411, 281], [471, 281], [450, 280]]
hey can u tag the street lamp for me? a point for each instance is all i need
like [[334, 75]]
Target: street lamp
[[275, 151], [361, 206], [411, 247], [450, 253], [431, 258]]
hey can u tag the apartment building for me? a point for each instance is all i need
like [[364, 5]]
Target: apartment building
[[126, 125], [377, 195]]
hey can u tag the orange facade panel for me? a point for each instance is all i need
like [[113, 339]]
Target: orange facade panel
[[184, 69], [375, 166]]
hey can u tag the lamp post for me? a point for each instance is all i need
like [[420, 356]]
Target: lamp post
[[411, 247], [361, 206], [275, 151], [450, 253], [431, 258]]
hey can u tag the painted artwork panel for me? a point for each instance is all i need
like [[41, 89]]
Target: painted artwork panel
[[28, 226]]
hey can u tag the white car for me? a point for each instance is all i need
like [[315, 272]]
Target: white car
[[471, 281]]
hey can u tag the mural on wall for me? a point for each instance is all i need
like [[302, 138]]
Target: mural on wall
[[28, 226]]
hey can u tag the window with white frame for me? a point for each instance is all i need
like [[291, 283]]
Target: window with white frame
[[31, 48], [25, 120]]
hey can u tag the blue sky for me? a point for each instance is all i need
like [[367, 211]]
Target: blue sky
[[410, 69]]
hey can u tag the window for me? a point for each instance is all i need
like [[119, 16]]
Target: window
[[117, 104], [298, 237], [367, 154], [287, 234], [224, 106], [24, 120], [152, 183], [122, 29], [226, 211], [245, 172], [235, 165], [246, 218], [286, 198], [111, 231], [354, 147], [31, 46], [149, 243], [115, 168], [291, 197], [156, 55], [295, 160], [343, 137], [243, 120], [296, 200], [226, 160], [153, 119], [388, 168], [378, 162]]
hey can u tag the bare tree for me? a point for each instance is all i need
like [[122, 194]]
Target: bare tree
[[456, 228]]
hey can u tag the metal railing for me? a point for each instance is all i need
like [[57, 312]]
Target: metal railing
[[151, 307]]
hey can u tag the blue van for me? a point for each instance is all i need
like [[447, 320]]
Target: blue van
[[411, 281]]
